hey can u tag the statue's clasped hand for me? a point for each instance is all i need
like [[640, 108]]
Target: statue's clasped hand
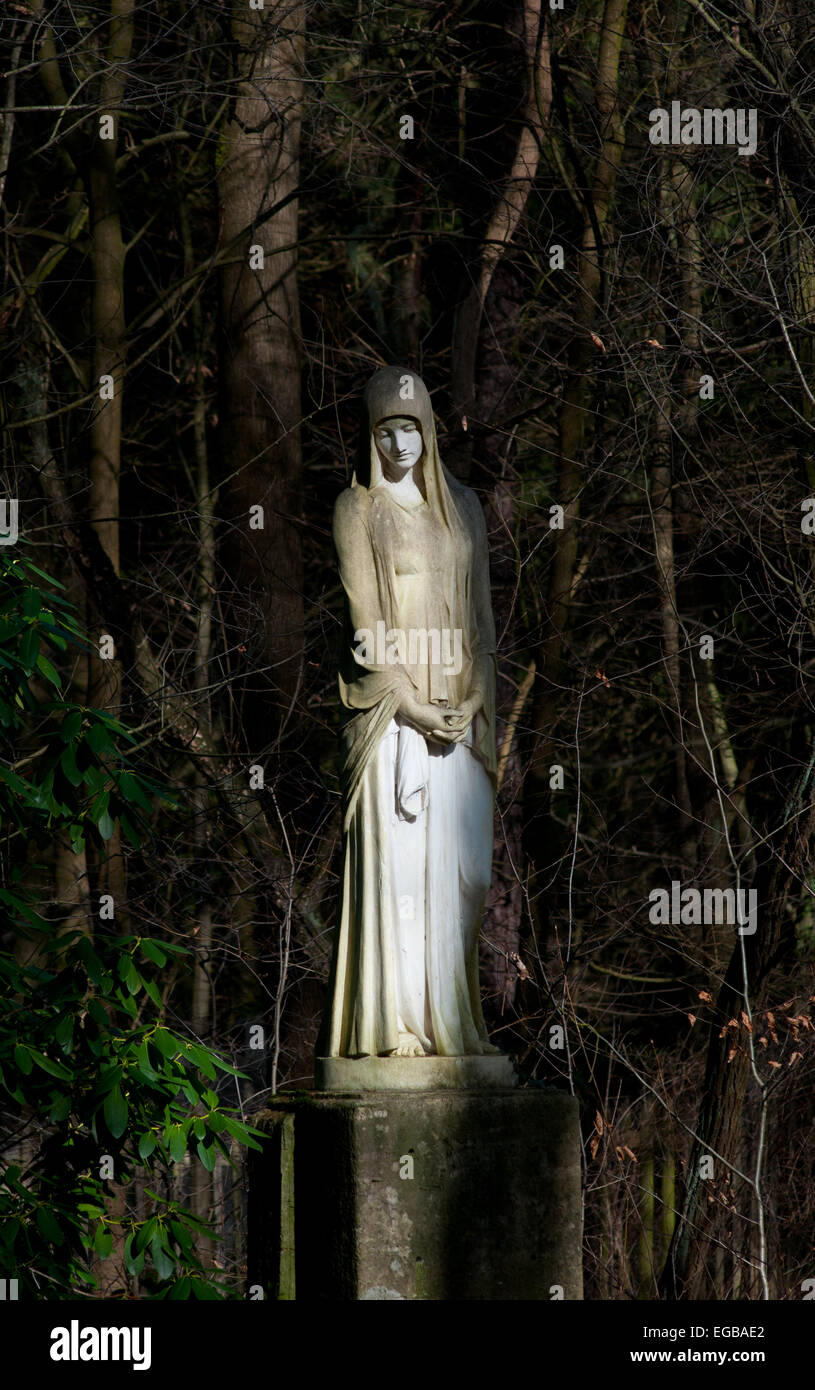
[[442, 724]]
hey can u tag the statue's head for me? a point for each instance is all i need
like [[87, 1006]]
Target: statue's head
[[398, 426], [399, 418]]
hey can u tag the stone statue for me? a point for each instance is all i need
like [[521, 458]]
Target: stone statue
[[418, 679]]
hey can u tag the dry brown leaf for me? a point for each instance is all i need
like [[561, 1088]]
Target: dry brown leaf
[[706, 996], [745, 1020], [519, 965]]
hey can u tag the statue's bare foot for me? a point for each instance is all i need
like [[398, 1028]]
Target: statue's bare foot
[[409, 1046], [489, 1050]]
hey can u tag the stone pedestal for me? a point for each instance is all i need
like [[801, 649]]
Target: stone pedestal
[[350, 1075], [436, 1194]]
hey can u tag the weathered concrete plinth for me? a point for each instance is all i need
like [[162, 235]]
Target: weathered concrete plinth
[[438, 1195], [351, 1075]]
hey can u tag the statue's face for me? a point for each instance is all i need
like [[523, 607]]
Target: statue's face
[[399, 441]]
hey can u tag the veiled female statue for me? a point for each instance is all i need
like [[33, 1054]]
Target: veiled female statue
[[418, 680]]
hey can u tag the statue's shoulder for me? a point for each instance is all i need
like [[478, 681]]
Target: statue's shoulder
[[350, 515], [352, 503]]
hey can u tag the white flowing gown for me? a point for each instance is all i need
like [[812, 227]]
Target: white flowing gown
[[436, 872]]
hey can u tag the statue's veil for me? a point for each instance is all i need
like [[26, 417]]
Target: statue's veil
[[395, 391]]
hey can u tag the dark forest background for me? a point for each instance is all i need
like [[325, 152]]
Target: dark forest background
[[217, 222]]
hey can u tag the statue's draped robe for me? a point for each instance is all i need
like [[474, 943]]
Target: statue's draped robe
[[417, 816]]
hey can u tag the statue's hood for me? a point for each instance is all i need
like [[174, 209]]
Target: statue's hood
[[399, 391]]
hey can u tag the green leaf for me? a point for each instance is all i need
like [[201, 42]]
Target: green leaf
[[71, 725], [105, 826], [204, 1291], [225, 1066], [145, 1065], [162, 1259], [115, 1112], [9, 1231], [53, 1068], [144, 1234], [22, 1060], [147, 1143], [167, 1045], [98, 738], [178, 1143], [16, 783], [153, 952], [98, 1014], [133, 1263], [49, 1227], [129, 974], [127, 826], [48, 671], [60, 1110], [152, 990], [29, 647], [132, 790], [103, 1242], [207, 1157], [181, 1234], [91, 961], [203, 1061], [68, 765], [94, 778], [244, 1134], [31, 603]]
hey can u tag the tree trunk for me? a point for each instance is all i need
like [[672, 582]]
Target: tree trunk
[[109, 326], [728, 1066], [550, 680], [502, 226], [258, 183]]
